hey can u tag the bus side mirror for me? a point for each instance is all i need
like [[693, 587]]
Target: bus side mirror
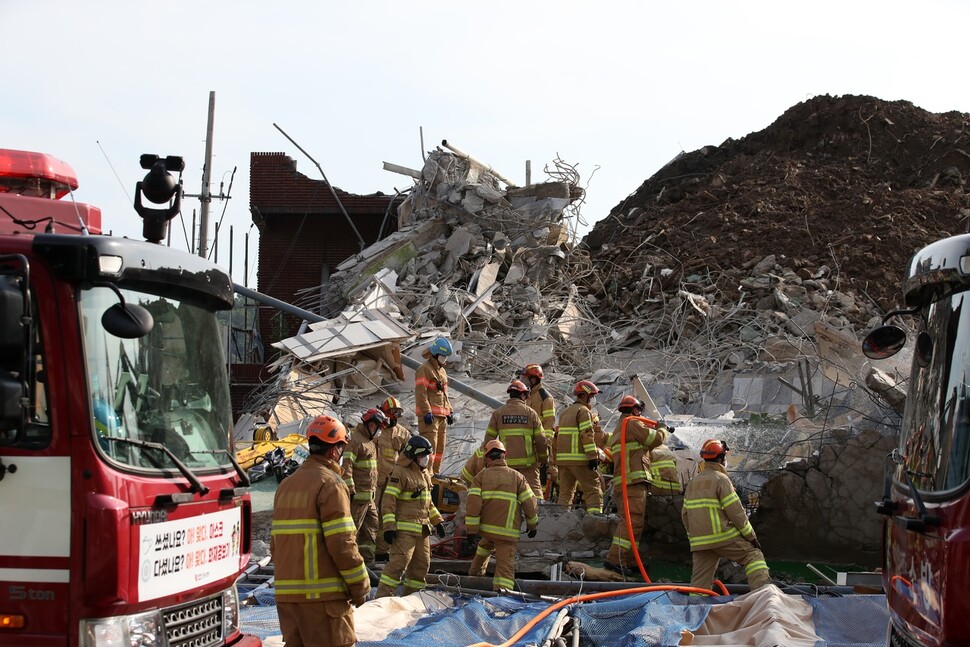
[[883, 342]]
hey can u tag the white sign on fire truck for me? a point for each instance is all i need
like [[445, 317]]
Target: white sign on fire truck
[[177, 555]]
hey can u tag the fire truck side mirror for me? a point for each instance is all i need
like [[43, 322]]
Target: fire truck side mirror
[[13, 357], [883, 342], [127, 320]]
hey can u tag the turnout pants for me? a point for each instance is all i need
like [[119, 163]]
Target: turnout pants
[[621, 550], [317, 624], [504, 562], [531, 475], [410, 556], [589, 479], [382, 546], [741, 551], [435, 433], [364, 514]]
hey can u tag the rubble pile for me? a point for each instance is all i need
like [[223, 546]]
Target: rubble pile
[[727, 256]]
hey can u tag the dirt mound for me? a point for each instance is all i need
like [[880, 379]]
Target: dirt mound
[[848, 187]]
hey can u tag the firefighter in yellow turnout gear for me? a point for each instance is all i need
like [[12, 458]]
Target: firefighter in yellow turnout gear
[[576, 454], [319, 571], [497, 501], [642, 435], [717, 525], [520, 430], [431, 403], [360, 475], [542, 402], [408, 516], [663, 469], [389, 446]]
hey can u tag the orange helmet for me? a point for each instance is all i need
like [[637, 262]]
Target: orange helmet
[[532, 370], [494, 444], [327, 430], [585, 387], [517, 387], [375, 415], [712, 449], [389, 405], [629, 402]]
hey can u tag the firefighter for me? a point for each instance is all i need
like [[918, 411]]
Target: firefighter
[[642, 435], [389, 446], [431, 398], [663, 469], [543, 404], [519, 428], [576, 454], [360, 475], [408, 517], [497, 501], [319, 571], [717, 525]]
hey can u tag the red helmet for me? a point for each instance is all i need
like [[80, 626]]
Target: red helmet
[[532, 370], [327, 430], [517, 387], [494, 444], [375, 415], [389, 405], [629, 402], [712, 449], [585, 387]]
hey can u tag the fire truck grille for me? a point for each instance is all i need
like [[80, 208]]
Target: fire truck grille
[[197, 624]]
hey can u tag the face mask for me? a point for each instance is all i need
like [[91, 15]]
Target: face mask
[[423, 461], [377, 434], [592, 400]]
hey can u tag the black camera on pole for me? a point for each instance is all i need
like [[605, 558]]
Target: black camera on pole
[[159, 187]]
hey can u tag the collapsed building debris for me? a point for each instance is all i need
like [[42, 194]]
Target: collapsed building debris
[[728, 282]]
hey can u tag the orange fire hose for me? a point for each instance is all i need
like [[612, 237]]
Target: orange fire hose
[[634, 542], [586, 598]]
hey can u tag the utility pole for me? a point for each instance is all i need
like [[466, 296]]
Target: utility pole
[[206, 196]]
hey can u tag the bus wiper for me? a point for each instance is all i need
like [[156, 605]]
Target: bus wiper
[[924, 519], [243, 477], [194, 482]]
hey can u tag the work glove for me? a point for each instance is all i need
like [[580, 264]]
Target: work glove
[[361, 600], [390, 536], [472, 539], [450, 419], [428, 418], [531, 533], [592, 464], [756, 543], [439, 530]]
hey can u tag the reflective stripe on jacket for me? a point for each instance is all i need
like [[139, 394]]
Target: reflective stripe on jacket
[[360, 465], [520, 430], [575, 444], [406, 504], [642, 435], [712, 513], [431, 390], [663, 468], [497, 500], [313, 544]]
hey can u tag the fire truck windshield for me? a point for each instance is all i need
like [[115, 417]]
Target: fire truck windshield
[[169, 387], [936, 429]]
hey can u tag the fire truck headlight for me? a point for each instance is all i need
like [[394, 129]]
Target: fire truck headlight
[[123, 631], [230, 609]]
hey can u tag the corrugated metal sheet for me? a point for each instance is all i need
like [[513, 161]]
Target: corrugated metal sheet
[[345, 335]]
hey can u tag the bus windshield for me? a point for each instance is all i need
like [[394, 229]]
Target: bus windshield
[[936, 427], [169, 387]]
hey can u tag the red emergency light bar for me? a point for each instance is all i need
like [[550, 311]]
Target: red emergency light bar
[[35, 174]]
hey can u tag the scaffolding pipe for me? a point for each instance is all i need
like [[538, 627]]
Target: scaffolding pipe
[[312, 317]]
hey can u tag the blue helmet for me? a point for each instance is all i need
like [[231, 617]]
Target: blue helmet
[[441, 346]]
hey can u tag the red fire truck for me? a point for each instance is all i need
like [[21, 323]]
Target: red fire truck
[[926, 500], [124, 518]]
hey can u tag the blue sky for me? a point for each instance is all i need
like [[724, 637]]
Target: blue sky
[[618, 88]]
